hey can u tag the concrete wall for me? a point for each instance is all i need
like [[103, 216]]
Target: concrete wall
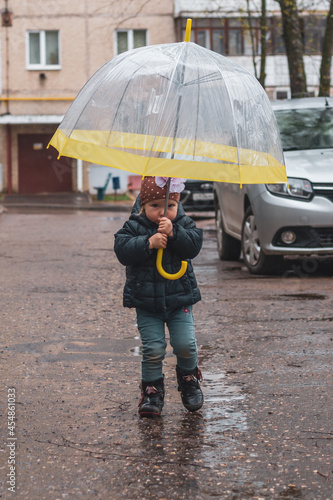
[[87, 42]]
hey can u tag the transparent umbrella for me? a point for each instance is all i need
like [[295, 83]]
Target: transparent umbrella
[[175, 110]]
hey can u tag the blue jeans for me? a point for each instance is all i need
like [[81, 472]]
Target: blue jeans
[[151, 327]]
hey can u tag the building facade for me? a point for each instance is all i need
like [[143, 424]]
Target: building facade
[[231, 27], [50, 48]]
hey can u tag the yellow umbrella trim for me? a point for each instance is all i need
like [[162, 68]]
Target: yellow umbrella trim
[[242, 167]]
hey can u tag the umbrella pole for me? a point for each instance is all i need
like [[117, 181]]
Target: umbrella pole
[[187, 39], [173, 147], [159, 266], [167, 196]]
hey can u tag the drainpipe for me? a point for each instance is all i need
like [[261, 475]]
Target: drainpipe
[[79, 175], [9, 158], [7, 23]]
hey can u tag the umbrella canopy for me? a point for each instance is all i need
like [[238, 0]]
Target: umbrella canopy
[[175, 110]]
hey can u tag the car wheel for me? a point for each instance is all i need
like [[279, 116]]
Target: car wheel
[[228, 247], [256, 261]]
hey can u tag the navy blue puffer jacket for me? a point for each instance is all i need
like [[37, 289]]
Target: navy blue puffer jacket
[[145, 288]]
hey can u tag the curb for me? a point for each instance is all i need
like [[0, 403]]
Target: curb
[[105, 207]]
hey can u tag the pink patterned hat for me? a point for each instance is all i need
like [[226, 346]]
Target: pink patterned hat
[[155, 188]]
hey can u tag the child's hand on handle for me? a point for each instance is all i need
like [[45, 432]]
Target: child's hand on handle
[[165, 226], [158, 240]]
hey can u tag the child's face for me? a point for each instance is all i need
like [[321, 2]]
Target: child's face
[[154, 210]]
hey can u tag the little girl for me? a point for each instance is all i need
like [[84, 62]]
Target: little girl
[[159, 301]]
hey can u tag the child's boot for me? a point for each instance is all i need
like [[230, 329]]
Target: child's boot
[[152, 398], [188, 385]]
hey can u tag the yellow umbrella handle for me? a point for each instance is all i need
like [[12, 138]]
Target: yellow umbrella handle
[[163, 273]]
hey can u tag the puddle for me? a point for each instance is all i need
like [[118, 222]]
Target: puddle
[[54, 347], [223, 416], [207, 352], [291, 493], [205, 269], [304, 296], [221, 404], [116, 217], [202, 443], [223, 409], [136, 351]]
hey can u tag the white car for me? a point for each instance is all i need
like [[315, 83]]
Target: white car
[[269, 221]]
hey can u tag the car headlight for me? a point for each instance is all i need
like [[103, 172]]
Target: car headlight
[[298, 188]]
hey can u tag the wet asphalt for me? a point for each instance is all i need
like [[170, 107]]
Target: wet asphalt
[[71, 353]]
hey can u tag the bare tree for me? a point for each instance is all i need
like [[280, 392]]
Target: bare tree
[[253, 45], [326, 58], [263, 43], [263, 40], [294, 47]]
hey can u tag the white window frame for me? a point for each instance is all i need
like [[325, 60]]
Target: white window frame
[[42, 65], [130, 38]]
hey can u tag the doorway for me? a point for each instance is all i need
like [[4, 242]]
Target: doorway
[[39, 169]]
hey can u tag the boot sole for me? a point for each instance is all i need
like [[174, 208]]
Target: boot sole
[[147, 414], [150, 412], [193, 407]]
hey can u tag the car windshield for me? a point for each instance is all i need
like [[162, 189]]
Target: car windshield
[[305, 128]]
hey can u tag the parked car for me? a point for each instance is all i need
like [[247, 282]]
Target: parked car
[[268, 222], [198, 196]]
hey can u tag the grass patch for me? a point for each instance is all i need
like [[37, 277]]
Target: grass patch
[[112, 197]]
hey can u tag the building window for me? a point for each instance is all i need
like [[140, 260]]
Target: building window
[[282, 94], [130, 39], [43, 50], [226, 36], [233, 36], [313, 31], [275, 40]]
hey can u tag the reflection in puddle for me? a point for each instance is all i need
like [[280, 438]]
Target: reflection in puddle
[[196, 449], [221, 413], [223, 408]]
